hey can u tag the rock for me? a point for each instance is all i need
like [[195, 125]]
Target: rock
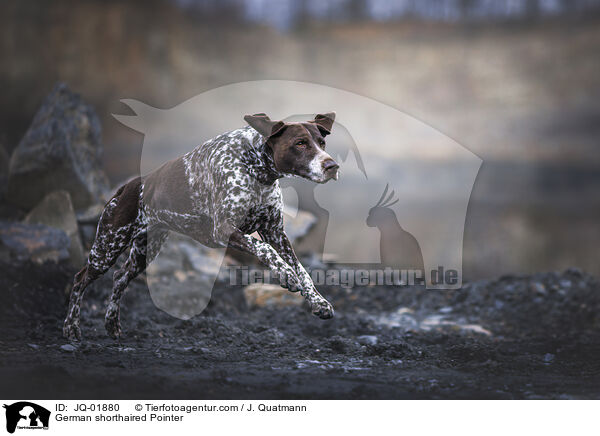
[[68, 347], [549, 358], [88, 235], [56, 210], [61, 150], [35, 242], [313, 261], [270, 295], [538, 288], [367, 340], [565, 284], [90, 215], [200, 258], [88, 222], [298, 226], [182, 253], [475, 328], [403, 317]]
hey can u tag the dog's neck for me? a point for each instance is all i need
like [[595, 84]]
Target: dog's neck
[[270, 173]]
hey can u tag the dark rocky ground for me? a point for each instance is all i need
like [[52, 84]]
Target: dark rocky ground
[[513, 337]]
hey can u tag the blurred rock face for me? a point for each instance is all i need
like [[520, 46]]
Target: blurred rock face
[[35, 242], [61, 150]]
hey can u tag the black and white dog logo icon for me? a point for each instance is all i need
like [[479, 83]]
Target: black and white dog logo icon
[[26, 415]]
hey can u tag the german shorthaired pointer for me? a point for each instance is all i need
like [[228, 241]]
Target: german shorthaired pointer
[[218, 194]]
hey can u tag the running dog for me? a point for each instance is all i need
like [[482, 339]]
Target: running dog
[[218, 194]]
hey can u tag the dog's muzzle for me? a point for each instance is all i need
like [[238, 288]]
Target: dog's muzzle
[[331, 169]]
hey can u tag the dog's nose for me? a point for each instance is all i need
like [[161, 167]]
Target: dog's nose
[[330, 165]]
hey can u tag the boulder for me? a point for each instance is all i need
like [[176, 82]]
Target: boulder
[[182, 276], [35, 242], [88, 223], [62, 149], [299, 225], [56, 210], [270, 295]]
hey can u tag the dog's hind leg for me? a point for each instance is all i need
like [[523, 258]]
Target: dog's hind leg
[[112, 238], [83, 278], [105, 251], [141, 254]]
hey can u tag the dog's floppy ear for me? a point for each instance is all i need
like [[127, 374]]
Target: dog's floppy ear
[[264, 125], [324, 122]]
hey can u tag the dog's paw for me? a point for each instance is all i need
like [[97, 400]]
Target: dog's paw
[[323, 309], [71, 330]]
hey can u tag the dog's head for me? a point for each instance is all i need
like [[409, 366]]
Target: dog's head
[[299, 148]]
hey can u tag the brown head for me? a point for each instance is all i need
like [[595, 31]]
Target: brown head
[[299, 148]]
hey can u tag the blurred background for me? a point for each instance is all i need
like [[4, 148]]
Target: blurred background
[[517, 82]]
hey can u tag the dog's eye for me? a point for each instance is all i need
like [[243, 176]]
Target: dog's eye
[[322, 143], [301, 143]]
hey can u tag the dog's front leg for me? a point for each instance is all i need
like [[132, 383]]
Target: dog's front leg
[[229, 235], [276, 237]]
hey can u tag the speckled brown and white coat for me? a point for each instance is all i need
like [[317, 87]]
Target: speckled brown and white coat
[[219, 194]]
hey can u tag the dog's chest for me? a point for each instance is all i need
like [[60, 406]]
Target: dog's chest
[[262, 208], [229, 180]]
